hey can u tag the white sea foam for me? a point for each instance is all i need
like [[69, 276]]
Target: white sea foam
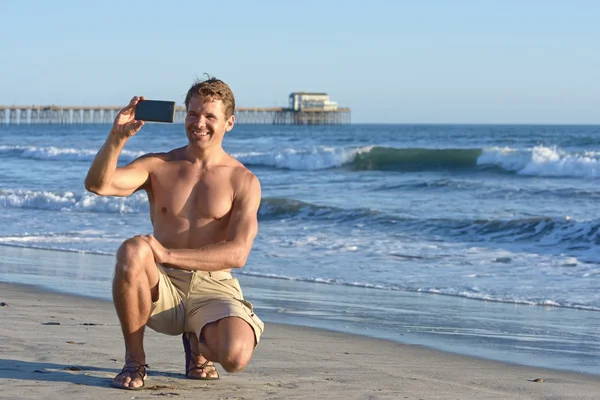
[[543, 161], [54, 239], [443, 268], [294, 159], [61, 154], [69, 201], [446, 268]]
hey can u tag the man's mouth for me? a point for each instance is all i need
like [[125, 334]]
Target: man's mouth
[[199, 134]]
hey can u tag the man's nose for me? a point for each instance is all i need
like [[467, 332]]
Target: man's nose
[[200, 121]]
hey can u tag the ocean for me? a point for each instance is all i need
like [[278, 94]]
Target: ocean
[[475, 239]]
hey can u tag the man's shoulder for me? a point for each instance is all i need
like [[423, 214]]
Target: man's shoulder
[[240, 171], [172, 155], [242, 178]]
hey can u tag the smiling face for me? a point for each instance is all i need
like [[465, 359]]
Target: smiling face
[[206, 123]]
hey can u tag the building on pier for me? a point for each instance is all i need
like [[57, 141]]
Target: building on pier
[[300, 101]]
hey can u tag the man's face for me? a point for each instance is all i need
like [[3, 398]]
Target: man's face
[[205, 123]]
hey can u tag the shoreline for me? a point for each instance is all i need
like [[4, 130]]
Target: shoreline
[[302, 281], [545, 337], [80, 350]]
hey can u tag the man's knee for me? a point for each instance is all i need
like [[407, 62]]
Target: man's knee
[[236, 356], [133, 255]]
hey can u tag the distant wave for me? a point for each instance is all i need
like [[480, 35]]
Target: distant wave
[[391, 159], [365, 158], [536, 161]]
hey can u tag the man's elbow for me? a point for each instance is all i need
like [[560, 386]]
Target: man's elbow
[[90, 187], [94, 188], [241, 256], [239, 261]]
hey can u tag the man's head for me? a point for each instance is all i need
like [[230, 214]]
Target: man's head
[[210, 105], [212, 89]]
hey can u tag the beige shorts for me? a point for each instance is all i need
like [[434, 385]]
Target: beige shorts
[[187, 301]]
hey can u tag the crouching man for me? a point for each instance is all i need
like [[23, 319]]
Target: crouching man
[[203, 208]]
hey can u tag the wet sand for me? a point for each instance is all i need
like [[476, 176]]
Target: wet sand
[[62, 346]]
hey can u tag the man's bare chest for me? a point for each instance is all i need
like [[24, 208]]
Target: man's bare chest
[[181, 192]]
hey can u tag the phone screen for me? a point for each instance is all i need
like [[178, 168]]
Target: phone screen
[[155, 110]]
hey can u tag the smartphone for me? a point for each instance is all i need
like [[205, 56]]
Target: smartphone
[[155, 110]]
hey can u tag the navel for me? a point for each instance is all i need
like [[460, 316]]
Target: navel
[[163, 210]]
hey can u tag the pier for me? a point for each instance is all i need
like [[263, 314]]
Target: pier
[[105, 115], [304, 109]]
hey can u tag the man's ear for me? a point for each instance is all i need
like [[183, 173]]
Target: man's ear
[[230, 123]]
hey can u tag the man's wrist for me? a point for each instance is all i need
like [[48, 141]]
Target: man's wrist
[[169, 257], [116, 139]]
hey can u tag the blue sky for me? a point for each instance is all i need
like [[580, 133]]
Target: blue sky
[[453, 61]]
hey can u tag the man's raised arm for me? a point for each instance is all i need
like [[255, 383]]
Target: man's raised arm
[[104, 178]]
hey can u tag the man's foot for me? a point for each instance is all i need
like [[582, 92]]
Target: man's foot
[[131, 377], [197, 367], [203, 370]]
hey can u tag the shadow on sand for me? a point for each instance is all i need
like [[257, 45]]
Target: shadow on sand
[[43, 371]]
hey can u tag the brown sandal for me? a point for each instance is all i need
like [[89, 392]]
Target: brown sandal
[[196, 367], [140, 370]]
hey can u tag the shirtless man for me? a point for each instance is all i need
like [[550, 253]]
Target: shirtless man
[[203, 207]]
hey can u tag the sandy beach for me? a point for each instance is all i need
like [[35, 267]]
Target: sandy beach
[[62, 346]]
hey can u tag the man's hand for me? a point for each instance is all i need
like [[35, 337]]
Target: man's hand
[[161, 253], [125, 124]]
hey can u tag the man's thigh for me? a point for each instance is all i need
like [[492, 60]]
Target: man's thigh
[[214, 311], [168, 311], [229, 333], [212, 300]]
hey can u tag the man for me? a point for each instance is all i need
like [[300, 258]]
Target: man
[[203, 208]]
